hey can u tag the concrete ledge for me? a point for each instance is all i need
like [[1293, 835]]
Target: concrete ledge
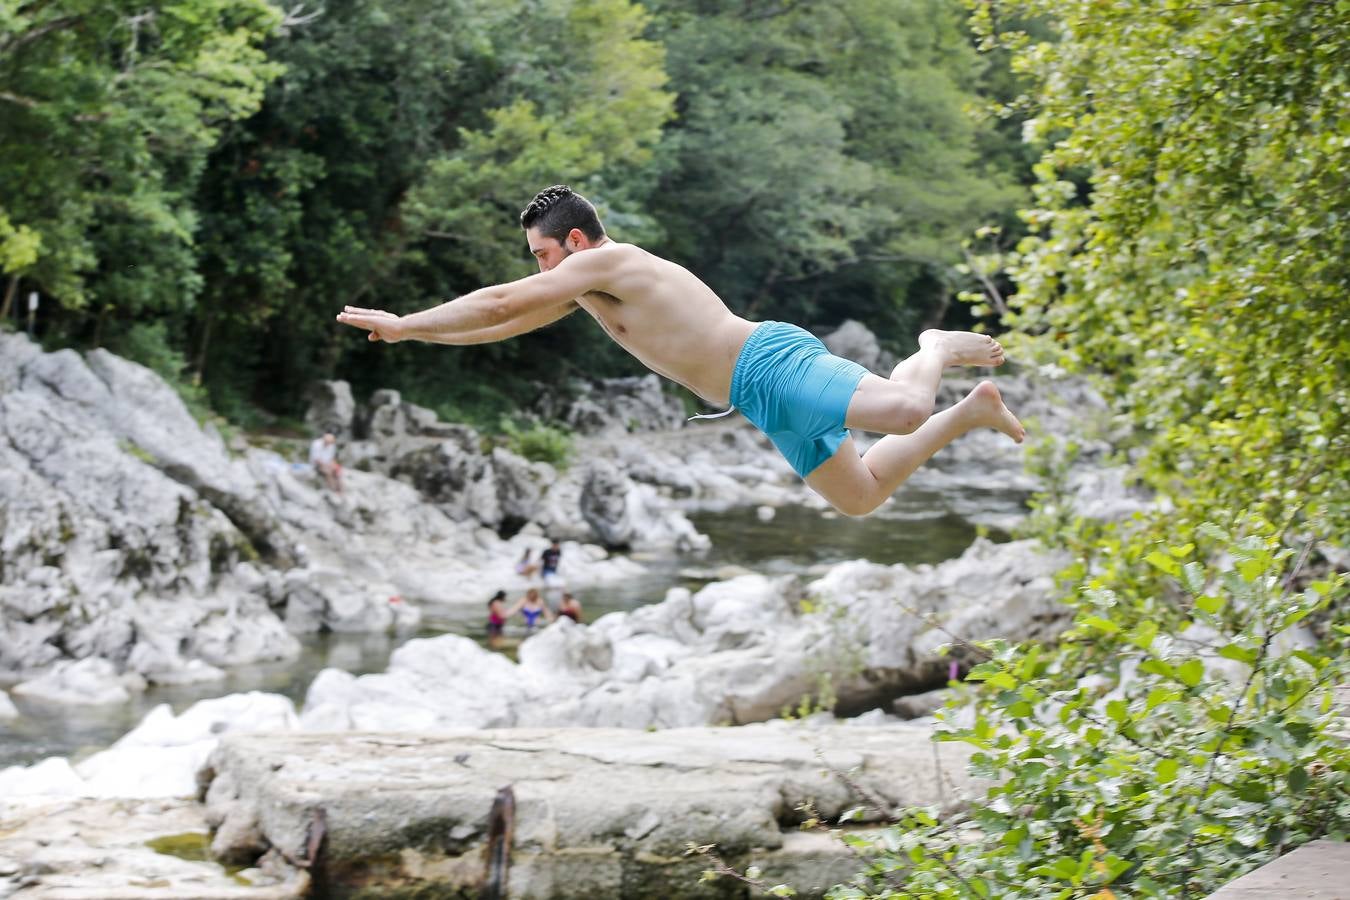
[[1316, 871]]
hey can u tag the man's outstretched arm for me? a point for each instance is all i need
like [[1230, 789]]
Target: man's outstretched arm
[[353, 315], [495, 312]]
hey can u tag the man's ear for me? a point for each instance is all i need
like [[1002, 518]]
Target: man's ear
[[576, 239]]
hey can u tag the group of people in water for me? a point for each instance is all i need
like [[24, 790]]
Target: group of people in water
[[531, 606]]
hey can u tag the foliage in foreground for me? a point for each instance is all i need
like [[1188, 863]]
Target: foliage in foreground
[[1213, 757], [1188, 242]]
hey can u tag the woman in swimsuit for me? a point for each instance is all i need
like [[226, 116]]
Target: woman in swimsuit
[[570, 607], [497, 615], [532, 608]]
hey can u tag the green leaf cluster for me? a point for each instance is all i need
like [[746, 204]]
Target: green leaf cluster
[[537, 442], [107, 113], [1141, 761], [1189, 242]]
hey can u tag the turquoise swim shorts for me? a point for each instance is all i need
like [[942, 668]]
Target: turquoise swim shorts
[[794, 391]]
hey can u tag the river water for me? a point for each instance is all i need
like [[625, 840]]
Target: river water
[[920, 526]]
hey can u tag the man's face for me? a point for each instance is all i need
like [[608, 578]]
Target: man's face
[[547, 251]]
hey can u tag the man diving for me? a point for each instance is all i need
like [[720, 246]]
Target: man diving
[[778, 375]]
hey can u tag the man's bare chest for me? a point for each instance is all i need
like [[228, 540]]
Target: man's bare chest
[[611, 312]]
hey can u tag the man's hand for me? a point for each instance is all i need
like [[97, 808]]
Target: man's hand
[[383, 326]]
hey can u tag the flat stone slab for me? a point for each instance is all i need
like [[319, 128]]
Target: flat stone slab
[[598, 812], [106, 850], [1319, 870]]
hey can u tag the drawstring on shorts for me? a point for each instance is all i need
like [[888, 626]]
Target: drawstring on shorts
[[726, 412]]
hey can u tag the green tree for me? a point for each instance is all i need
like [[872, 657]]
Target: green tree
[[107, 111], [301, 202], [1218, 753], [1205, 274], [822, 166], [388, 168]]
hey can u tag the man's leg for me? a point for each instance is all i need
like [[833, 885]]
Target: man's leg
[[855, 485], [903, 402]]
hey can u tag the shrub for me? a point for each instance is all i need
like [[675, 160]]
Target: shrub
[[537, 442], [1211, 754]]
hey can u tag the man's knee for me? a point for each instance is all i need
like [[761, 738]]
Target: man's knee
[[854, 506], [902, 411], [910, 412]]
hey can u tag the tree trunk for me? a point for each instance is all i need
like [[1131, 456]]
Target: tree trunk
[[199, 365], [763, 293], [98, 325], [9, 297]]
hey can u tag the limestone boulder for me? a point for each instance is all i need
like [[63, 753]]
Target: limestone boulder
[[455, 475], [124, 849], [854, 340], [41, 782], [158, 758], [332, 408], [627, 514], [521, 484], [412, 695], [86, 682], [597, 812], [737, 651], [614, 406], [123, 523], [327, 599]]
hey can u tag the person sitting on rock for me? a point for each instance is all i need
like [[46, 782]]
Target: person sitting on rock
[[778, 375], [323, 457], [571, 607], [526, 566]]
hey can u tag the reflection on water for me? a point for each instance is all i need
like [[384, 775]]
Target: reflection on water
[[916, 527]]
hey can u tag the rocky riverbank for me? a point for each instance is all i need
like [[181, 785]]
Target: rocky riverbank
[[137, 547]]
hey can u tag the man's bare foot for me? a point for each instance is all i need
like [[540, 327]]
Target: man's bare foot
[[985, 406], [963, 348]]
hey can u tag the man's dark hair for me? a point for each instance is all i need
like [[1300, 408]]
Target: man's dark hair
[[556, 210]]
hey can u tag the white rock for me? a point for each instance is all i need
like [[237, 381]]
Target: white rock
[[53, 777], [145, 771], [90, 682], [208, 719], [735, 652]]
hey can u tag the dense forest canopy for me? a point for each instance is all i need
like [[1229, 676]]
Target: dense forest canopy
[[203, 184]]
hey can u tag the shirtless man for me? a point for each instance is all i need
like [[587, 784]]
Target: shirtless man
[[779, 376]]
